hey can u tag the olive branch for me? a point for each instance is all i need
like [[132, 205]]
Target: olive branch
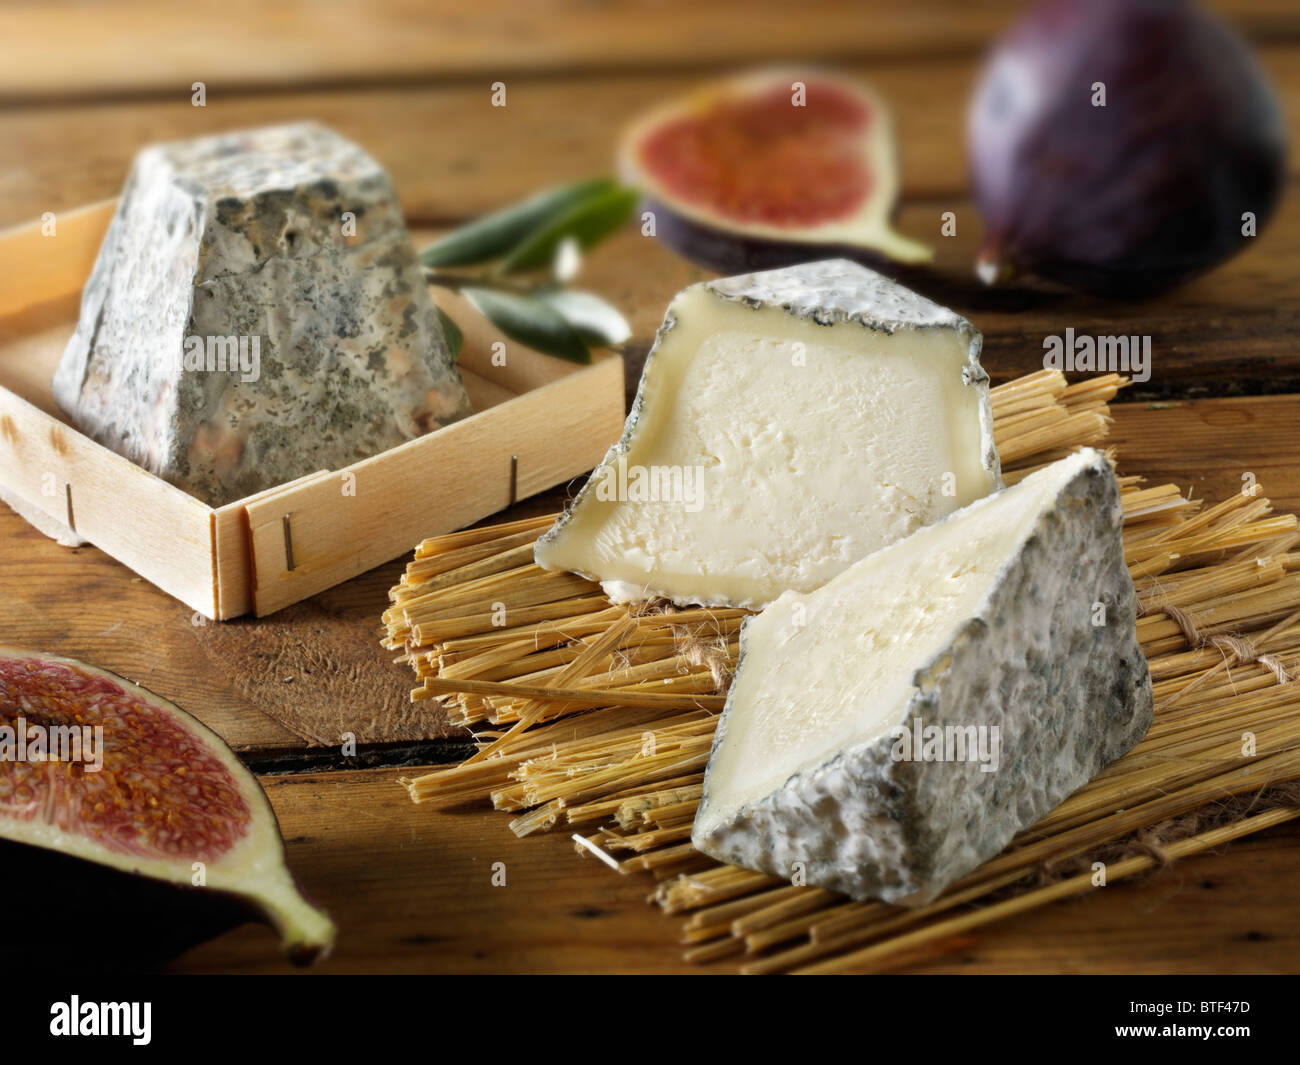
[[529, 252]]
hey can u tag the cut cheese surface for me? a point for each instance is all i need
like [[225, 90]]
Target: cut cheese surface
[[838, 667], [984, 624], [787, 424]]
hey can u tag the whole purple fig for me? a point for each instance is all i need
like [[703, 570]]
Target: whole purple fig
[[1121, 146]]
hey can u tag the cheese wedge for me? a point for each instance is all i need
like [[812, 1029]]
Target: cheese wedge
[[890, 731], [787, 423]]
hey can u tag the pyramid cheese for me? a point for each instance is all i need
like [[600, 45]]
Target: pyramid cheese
[[257, 313], [893, 729], [787, 424]]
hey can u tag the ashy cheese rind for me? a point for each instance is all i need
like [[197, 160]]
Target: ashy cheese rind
[[256, 313], [1009, 626], [787, 423]]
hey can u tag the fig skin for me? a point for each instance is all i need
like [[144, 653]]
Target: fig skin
[[729, 253], [1140, 195]]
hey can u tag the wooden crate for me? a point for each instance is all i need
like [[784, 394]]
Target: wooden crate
[[538, 421]]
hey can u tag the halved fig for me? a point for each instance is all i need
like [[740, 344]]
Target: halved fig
[[771, 169], [116, 798]]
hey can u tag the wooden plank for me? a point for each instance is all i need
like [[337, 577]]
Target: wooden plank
[[1229, 332], [410, 888], [453, 155], [265, 686], [348, 521], [411, 891], [1208, 446], [232, 562], [252, 44]]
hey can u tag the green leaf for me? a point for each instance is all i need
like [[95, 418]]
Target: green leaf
[[595, 321], [451, 333], [588, 221], [531, 321], [495, 234]]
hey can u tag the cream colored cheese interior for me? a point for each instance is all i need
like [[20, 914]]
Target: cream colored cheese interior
[[835, 669], [800, 448]]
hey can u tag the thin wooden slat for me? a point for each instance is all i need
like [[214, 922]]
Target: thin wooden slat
[[153, 527], [42, 261], [442, 481]]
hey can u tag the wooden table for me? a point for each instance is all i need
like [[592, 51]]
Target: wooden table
[[81, 90]]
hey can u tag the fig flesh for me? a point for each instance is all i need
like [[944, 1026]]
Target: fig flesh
[[1121, 146], [101, 775], [768, 170]]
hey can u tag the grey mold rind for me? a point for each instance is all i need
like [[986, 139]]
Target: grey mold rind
[[240, 235], [1068, 696], [820, 291], [837, 290]]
